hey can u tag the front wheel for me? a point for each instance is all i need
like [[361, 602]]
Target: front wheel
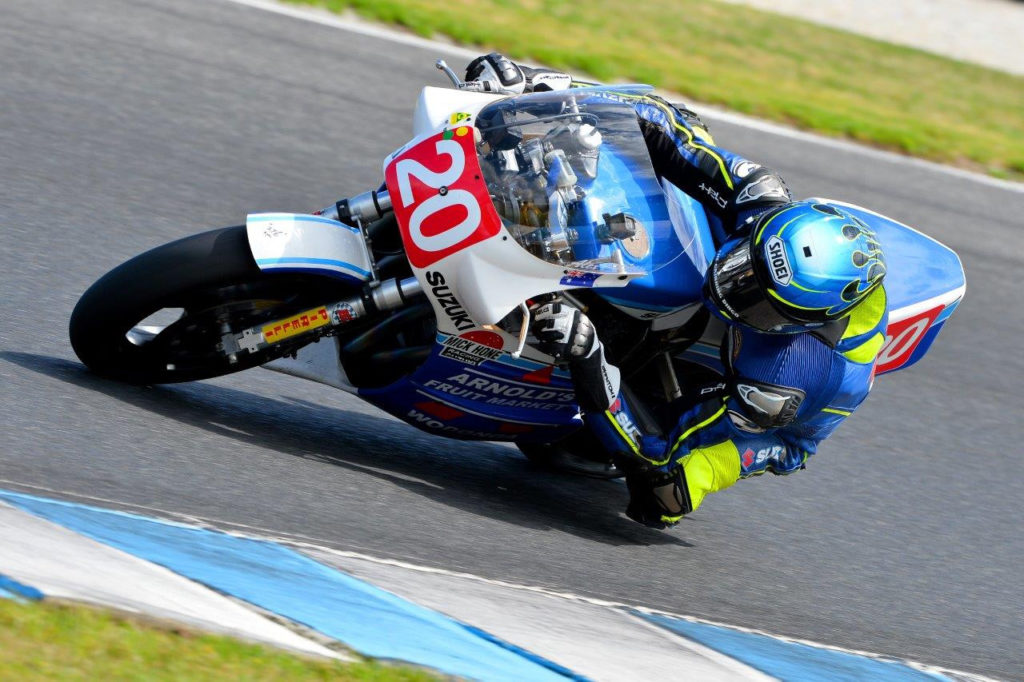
[[160, 317]]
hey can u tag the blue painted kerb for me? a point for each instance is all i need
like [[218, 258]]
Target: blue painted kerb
[[12, 589], [282, 581], [792, 661]]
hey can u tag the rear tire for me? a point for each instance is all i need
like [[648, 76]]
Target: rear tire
[[214, 280]]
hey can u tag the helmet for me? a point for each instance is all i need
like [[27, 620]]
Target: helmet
[[802, 265]]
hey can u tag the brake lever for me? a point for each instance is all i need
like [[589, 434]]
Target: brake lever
[[471, 86], [452, 76]]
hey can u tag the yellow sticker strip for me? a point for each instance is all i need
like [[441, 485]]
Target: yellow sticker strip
[[292, 326]]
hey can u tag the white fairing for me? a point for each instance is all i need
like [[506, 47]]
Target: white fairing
[[483, 281], [492, 278], [437, 107], [289, 241], [317, 362]]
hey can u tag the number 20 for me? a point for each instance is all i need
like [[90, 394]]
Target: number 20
[[408, 168]]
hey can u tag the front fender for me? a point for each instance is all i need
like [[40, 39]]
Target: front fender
[[298, 242]]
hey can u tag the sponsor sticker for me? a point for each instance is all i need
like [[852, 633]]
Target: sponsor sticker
[[751, 458], [344, 313], [578, 278], [624, 421], [465, 349], [446, 300], [483, 388], [292, 326], [428, 422]]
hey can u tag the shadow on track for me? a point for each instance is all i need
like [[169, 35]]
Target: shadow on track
[[478, 478]]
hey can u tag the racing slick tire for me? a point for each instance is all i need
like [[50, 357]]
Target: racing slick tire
[[213, 280]]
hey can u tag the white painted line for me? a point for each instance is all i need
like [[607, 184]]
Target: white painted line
[[350, 22], [321, 545]]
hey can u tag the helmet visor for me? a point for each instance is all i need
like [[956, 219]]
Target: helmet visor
[[734, 288]]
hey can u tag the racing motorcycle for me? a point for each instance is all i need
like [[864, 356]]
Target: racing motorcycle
[[415, 296]]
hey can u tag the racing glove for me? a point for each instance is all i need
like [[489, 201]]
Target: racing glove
[[657, 498], [568, 335], [498, 73], [562, 331]]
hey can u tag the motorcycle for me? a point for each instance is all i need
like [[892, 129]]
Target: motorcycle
[[415, 296]]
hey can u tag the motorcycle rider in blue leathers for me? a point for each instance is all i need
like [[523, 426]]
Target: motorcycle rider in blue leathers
[[798, 285]]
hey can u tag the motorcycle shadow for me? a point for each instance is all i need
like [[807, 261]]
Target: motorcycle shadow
[[478, 478]]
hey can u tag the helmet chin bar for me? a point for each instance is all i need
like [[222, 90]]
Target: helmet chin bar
[[734, 289]]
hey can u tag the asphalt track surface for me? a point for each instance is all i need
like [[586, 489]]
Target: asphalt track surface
[[128, 123]]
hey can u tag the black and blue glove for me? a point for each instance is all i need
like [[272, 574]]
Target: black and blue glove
[[657, 498]]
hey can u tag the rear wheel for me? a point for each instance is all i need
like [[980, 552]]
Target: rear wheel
[[160, 317]]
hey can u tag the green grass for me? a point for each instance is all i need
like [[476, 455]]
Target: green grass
[[754, 62], [43, 641]]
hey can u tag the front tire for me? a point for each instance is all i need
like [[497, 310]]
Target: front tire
[[215, 283]]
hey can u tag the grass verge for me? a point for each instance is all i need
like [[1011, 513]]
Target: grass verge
[[758, 63], [44, 641]]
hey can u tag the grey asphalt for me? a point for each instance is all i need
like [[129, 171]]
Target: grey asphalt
[[127, 123]]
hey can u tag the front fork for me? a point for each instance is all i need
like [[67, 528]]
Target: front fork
[[378, 296]]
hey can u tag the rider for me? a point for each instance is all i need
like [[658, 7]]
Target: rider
[[798, 285]]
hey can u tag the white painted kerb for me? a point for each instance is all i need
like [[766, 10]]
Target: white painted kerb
[[63, 564]]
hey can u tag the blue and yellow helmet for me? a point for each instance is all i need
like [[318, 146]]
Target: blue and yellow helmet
[[802, 265]]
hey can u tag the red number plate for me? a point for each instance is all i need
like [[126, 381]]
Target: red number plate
[[440, 198]]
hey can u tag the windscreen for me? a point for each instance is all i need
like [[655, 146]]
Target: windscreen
[[570, 176]]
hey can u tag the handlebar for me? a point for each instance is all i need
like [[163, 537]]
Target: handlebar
[[471, 86]]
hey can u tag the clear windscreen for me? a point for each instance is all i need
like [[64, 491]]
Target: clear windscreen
[[570, 176]]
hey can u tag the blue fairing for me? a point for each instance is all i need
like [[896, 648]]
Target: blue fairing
[[509, 399], [918, 267], [921, 274], [676, 226], [686, 254]]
